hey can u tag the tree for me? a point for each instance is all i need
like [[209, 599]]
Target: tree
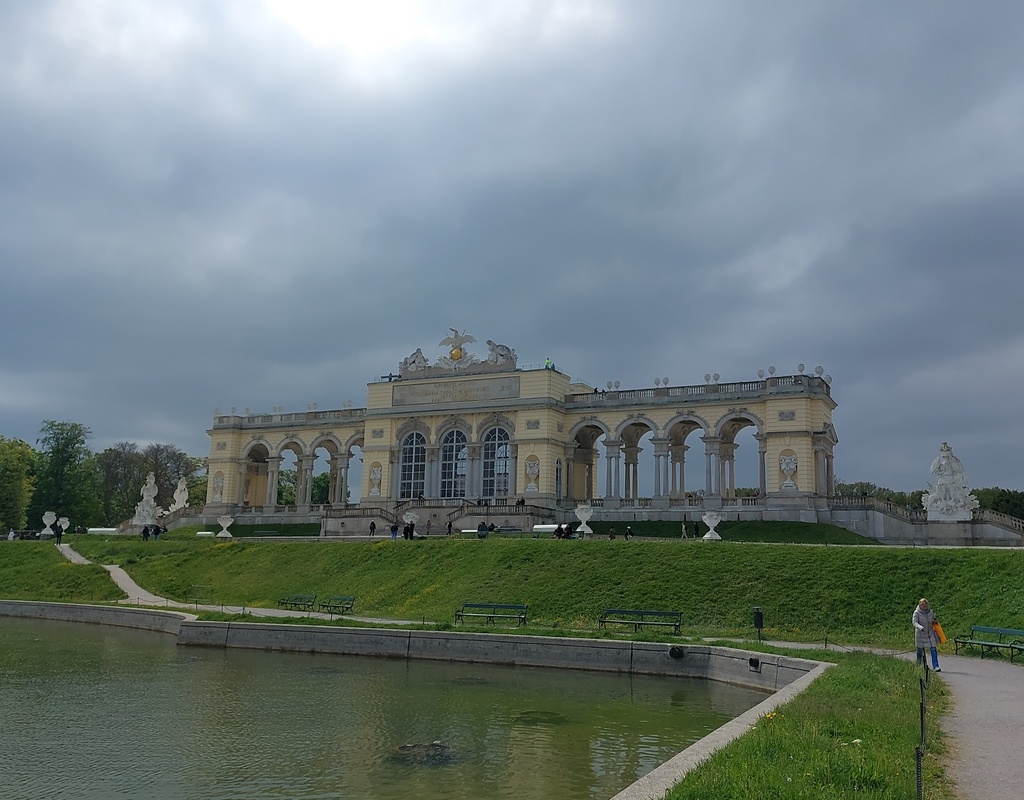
[[67, 478], [169, 465], [122, 473], [286, 487], [17, 465], [321, 492], [1006, 501]]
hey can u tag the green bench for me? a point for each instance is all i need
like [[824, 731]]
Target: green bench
[[639, 618], [994, 640], [298, 602], [338, 604], [492, 611]]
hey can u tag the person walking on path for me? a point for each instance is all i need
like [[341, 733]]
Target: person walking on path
[[924, 633]]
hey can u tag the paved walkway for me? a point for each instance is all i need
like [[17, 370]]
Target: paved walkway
[[137, 596], [984, 727]]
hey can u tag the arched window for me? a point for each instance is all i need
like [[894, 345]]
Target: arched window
[[495, 463], [558, 479], [453, 464], [413, 466]]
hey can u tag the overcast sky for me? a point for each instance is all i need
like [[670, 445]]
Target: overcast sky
[[256, 204]]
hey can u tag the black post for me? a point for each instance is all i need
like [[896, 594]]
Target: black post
[[758, 621]]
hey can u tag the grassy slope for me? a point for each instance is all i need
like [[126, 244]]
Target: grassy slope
[[850, 594], [37, 571]]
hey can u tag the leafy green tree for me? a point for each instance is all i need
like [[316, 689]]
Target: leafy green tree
[[169, 464], [67, 478], [122, 474], [321, 492], [17, 465], [286, 487], [1006, 501]]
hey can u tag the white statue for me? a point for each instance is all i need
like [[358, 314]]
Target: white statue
[[415, 361], [180, 496], [218, 488], [950, 498], [458, 356], [711, 519], [787, 464], [376, 473], [146, 511], [500, 354], [532, 472]]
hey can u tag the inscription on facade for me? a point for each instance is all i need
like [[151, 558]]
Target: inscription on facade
[[468, 391], [377, 433], [532, 424], [787, 416]]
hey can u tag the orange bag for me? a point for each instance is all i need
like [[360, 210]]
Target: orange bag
[[939, 632]]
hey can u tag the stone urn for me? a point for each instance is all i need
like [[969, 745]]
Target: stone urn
[[584, 512], [224, 521], [711, 519]]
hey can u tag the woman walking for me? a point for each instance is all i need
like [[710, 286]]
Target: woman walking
[[924, 633]]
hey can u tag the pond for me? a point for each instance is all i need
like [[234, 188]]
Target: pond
[[96, 712]]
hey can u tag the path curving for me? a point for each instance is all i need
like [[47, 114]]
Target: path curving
[[983, 727], [137, 596]]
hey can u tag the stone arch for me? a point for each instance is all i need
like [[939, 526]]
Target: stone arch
[[582, 459], [682, 455], [494, 420], [292, 443], [355, 440], [454, 423], [328, 441], [634, 422], [724, 447], [412, 425]]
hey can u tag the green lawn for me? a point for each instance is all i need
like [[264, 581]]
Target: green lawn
[[850, 594]]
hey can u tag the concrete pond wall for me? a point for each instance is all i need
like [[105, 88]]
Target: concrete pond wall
[[782, 677]]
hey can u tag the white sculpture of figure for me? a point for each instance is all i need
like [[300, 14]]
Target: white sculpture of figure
[[532, 472], [787, 464], [376, 473], [711, 519], [583, 513], [146, 510], [500, 354], [180, 496], [415, 361], [218, 489], [950, 499], [48, 519], [224, 521], [458, 356]]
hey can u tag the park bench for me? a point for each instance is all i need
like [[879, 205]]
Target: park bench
[[299, 602], [992, 639], [638, 618], [491, 612], [338, 604]]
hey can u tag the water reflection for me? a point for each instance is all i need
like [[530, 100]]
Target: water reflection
[[92, 712]]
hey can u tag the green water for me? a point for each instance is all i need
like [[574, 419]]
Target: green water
[[99, 713]]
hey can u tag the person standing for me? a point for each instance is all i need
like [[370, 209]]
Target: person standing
[[394, 531], [448, 528], [373, 528], [924, 633]]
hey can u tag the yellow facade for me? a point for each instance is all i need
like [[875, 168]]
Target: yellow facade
[[491, 432]]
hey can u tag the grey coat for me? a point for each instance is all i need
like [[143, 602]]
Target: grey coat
[[924, 634]]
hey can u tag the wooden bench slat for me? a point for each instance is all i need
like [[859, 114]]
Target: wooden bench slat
[[640, 617], [1014, 646], [300, 602], [490, 612]]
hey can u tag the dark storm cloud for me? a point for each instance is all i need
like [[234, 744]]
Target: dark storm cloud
[[199, 207]]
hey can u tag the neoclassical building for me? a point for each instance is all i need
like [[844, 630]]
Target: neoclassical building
[[459, 432]]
